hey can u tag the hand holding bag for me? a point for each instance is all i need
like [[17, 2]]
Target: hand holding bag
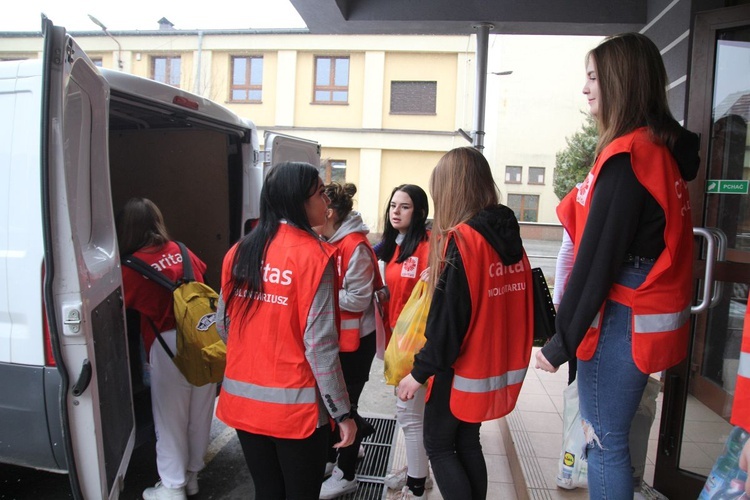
[[408, 335]]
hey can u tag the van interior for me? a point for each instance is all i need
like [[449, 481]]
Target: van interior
[[193, 170]]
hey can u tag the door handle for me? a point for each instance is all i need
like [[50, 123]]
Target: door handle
[[721, 255], [708, 277], [83, 379]]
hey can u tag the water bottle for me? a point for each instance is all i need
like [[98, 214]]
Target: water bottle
[[736, 441], [734, 491], [725, 478], [718, 480]]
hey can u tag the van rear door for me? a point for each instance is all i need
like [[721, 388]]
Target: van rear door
[[82, 284], [280, 148]]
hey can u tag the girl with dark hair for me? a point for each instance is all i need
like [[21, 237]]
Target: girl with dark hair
[[404, 245], [358, 278], [182, 412], [478, 347], [625, 310], [283, 381], [405, 250]]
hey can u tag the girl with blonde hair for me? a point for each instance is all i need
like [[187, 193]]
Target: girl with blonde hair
[[479, 329]]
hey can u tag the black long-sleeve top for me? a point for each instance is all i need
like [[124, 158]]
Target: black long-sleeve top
[[623, 219], [450, 309], [447, 321]]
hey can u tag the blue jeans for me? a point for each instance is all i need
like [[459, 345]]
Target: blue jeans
[[610, 387]]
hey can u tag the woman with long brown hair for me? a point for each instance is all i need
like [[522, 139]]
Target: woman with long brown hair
[[182, 412], [626, 303]]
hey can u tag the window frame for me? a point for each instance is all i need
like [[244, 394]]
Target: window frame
[[326, 170], [331, 88], [168, 69], [520, 174], [544, 176], [248, 87], [522, 210]]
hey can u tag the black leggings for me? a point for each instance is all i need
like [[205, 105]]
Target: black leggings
[[356, 369], [453, 446], [286, 468]]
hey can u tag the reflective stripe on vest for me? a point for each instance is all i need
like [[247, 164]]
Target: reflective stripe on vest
[[350, 324], [657, 323], [595, 323], [480, 385], [287, 396], [744, 369]]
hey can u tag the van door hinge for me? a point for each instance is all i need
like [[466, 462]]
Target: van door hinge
[[72, 319], [265, 156]]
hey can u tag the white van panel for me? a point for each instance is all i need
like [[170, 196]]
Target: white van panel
[[21, 246]]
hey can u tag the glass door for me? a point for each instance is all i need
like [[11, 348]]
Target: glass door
[[698, 393]]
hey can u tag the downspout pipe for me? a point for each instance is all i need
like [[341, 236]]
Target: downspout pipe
[[197, 86], [480, 97]]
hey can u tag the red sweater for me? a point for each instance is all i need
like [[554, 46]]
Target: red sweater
[[151, 300]]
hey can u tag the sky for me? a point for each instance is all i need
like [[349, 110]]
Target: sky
[[25, 15]]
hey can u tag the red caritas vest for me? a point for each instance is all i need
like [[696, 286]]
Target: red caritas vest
[[351, 321], [269, 387], [741, 406], [495, 353], [661, 305], [401, 278]]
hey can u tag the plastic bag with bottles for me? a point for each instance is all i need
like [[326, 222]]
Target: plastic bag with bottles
[[726, 480]]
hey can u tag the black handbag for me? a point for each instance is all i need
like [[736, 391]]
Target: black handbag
[[544, 309]]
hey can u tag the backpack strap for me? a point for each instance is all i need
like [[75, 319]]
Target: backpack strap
[[187, 265], [149, 272], [160, 338]]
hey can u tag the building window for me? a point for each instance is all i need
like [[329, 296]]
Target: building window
[[525, 206], [333, 171], [513, 175], [97, 62], [247, 79], [331, 80], [413, 98], [166, 70], [536, 175]]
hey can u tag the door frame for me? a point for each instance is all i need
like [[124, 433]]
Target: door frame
[[668, 477]]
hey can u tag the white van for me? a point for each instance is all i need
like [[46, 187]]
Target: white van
[[75, 143]]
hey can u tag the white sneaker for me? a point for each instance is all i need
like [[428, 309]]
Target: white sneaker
[[397, 480], [329, 468], [336, 485], [161, 492], [191, 488]]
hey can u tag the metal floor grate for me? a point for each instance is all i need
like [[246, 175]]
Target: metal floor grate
[[377, 462]]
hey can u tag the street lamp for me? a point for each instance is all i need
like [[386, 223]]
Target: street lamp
[[106, 32]]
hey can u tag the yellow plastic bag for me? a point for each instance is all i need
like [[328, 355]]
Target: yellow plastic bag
[[408, 335]]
